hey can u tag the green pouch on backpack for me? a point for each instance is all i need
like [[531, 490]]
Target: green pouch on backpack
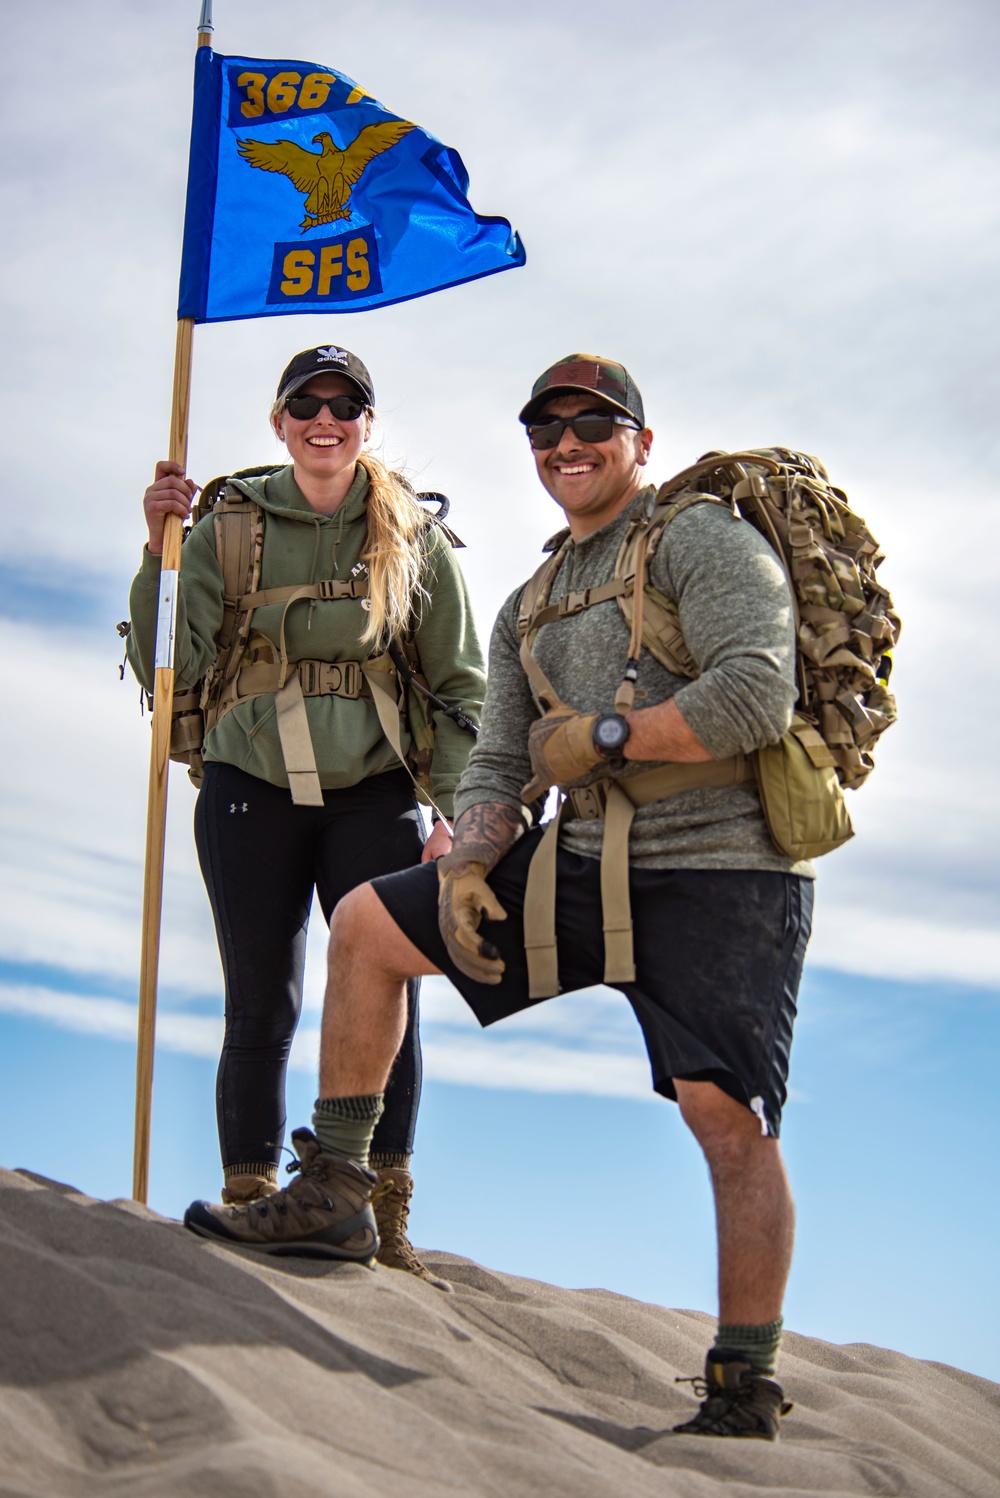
[[801, 795]]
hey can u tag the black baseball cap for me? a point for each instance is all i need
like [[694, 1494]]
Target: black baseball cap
[[586, 374], [326, 360]]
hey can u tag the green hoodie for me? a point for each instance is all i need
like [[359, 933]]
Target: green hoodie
[[303, 547]]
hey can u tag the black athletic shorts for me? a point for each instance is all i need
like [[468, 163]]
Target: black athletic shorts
[[718, 955]]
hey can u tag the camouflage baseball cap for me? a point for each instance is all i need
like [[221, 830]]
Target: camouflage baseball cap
[[586, 374]]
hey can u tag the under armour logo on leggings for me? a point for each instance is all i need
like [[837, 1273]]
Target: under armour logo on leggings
[[234, 807]]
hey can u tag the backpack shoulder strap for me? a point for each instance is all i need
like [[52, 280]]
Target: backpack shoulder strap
[[239, 546], [660, 623], [534, 602], [537, 590]]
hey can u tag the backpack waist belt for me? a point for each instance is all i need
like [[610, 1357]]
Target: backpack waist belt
[[307, 678], [615, 802], [316, 678]]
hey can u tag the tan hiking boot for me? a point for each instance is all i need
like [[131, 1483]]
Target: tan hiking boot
[[325, 1213], [242, 1186], [735, 1401], [391, 1205]]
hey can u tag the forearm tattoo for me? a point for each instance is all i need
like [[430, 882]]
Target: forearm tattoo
[[484, 833]]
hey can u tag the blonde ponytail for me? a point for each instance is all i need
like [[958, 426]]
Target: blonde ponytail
[[394, 553], [395, 525]]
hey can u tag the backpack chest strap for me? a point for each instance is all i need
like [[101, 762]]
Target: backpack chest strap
[[565, 607], [575, 602], [329, 588], [614, 801]]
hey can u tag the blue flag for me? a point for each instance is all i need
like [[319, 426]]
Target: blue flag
[[306, 195]]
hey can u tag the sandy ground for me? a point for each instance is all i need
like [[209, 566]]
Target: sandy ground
[[136, 1359]]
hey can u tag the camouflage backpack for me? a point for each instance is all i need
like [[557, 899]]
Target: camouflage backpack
[[845, 628]]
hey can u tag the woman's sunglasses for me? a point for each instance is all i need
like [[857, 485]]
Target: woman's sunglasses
[[590, 426], [340, 407]]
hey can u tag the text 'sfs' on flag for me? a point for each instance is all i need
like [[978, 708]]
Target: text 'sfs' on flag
[[306, 195]]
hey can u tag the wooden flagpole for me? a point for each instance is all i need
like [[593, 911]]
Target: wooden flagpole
[[159, 759]]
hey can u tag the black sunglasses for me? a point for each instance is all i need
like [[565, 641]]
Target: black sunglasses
[[341, 407], [589, 426]]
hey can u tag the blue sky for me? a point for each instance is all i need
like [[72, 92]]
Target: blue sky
[[784, 220]]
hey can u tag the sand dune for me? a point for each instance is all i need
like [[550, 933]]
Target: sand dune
[[136, 1359]]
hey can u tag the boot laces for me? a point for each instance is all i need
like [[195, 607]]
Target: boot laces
[[699, 1387], [399, 1207], [718, 1401], [397, 1211], [279, 1202]]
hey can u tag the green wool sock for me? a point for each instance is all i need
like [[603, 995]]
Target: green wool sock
[[345, 1125], [758, 1344]]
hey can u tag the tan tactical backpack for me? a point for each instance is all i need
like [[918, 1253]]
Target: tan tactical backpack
[[249, 664]]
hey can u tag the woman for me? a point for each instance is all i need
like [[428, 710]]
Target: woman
[[333, 513]]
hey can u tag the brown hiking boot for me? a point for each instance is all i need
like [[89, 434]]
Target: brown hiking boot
[[735, 1401], [391, 1205], [242, 1186], [324, 1214]]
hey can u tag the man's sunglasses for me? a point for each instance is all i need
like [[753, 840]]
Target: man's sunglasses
[[341, 407], [589, 426]]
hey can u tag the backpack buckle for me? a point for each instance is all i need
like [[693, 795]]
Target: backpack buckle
[[588, 801], [350, 678], [573, 603], [330, 678], [326, 588]]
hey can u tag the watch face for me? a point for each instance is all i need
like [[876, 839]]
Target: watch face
[[610, 732]]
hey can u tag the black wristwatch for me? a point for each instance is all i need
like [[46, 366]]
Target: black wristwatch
[[610, 736]]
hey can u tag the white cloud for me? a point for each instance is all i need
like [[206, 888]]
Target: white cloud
[[534, 1067], [810, 262], [454, 1051], [114, 1020]]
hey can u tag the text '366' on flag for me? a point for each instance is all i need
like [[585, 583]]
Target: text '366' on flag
[[306, 195]]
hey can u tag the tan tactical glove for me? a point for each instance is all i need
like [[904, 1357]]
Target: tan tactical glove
[[464, 898], [561, 745]]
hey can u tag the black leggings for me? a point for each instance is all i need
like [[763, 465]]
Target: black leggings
[[261, 857]]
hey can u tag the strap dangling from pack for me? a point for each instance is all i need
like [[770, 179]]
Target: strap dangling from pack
[[540, 912], [382, 683], [296, 743]]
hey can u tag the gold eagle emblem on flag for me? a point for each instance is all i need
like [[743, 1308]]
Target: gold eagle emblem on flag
[[327, 177]]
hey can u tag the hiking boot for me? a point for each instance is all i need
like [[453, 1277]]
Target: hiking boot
[[735, 1401], [391, 1205], [324, 1214], [246, 1186]]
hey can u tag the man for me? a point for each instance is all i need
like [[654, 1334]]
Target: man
[[710, 947]]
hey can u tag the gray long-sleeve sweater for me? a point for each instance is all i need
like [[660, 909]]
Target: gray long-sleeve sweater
[[736, 616]]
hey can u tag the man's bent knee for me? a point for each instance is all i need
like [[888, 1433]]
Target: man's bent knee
[[362, 928], [356, 918]]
